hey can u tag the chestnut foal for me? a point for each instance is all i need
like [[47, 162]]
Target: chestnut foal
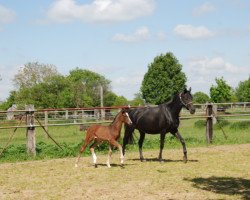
[[110, 133]]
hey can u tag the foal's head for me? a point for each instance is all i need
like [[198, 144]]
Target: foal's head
[[125, 117], [186, 100]]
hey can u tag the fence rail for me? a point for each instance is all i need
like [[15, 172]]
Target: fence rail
[[85, 116], [90, 115]]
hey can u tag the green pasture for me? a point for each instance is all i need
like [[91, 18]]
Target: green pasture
[[237, 130]]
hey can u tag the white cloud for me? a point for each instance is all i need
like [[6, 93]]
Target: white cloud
[[204, 9], [191, 32], [6, 15], [128, 85], [139, 35], [216, 65], [161, 35], [235, 32], [202, 72], [6, 85], [99, 10]]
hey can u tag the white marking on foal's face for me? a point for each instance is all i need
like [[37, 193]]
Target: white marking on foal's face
[[129, 120]]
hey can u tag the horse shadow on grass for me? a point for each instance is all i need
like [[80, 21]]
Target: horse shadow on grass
[[112, 165], [223, 185], [163, 160]]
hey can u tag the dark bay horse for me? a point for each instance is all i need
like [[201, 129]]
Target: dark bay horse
[[159, 120], [100, 133]]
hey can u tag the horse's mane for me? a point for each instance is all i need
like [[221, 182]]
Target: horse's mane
[[115, 118], [173, 97]]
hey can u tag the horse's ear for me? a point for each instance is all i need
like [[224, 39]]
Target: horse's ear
[[185, 90], [190, 89]]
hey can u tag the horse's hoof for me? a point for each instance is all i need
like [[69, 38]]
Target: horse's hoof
[[95, 165], [161, 161], [184, 159], [108, 166], [122, 166]]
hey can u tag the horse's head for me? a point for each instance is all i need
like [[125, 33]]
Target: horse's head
[[186, 100], [125, 117]]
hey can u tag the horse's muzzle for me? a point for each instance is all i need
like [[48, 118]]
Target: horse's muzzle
[[191, 108]]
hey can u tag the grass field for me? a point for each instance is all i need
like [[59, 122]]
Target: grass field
[[70, 138], [214, 172], [217, 171]]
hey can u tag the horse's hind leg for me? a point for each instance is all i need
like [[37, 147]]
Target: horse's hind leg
[[178, 136], [92, 149], [140, 142], [163, 134], [109, 156], [83, 147]]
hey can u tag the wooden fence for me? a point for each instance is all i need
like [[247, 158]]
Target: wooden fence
[[86, 116]]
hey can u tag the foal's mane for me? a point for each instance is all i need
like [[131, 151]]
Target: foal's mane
[[115, 118]]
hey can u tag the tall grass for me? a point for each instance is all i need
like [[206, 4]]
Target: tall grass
[[71, 138]]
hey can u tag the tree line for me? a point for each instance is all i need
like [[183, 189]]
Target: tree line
[[44, 87]]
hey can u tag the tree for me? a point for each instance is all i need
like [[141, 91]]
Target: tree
[[9, 101], [138, 100], [109, 99], [163, 79], [120, 101], [53, 93], [221, 92], [243, 91], [34, 73], [86, 85], [200, 97]]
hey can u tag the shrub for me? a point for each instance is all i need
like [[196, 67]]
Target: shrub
[[240, 125], [221, 123], [200, 124]]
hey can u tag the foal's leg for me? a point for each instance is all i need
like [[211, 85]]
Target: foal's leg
[[109, 156], [140, 142], [113, 142], [163, 134], [92, 149], [178, 136], [83, 147]]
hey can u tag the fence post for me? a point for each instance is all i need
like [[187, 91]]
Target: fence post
[[209, 123], [46, 120], [31, 134], [75, 117], [66, 114]]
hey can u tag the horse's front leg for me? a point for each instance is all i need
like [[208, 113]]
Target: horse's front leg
[[140, 142], [162, 141], [128, 137], [113, 142], [178, 136]]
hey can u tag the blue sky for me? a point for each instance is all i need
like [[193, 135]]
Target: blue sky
[[120, 38]]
